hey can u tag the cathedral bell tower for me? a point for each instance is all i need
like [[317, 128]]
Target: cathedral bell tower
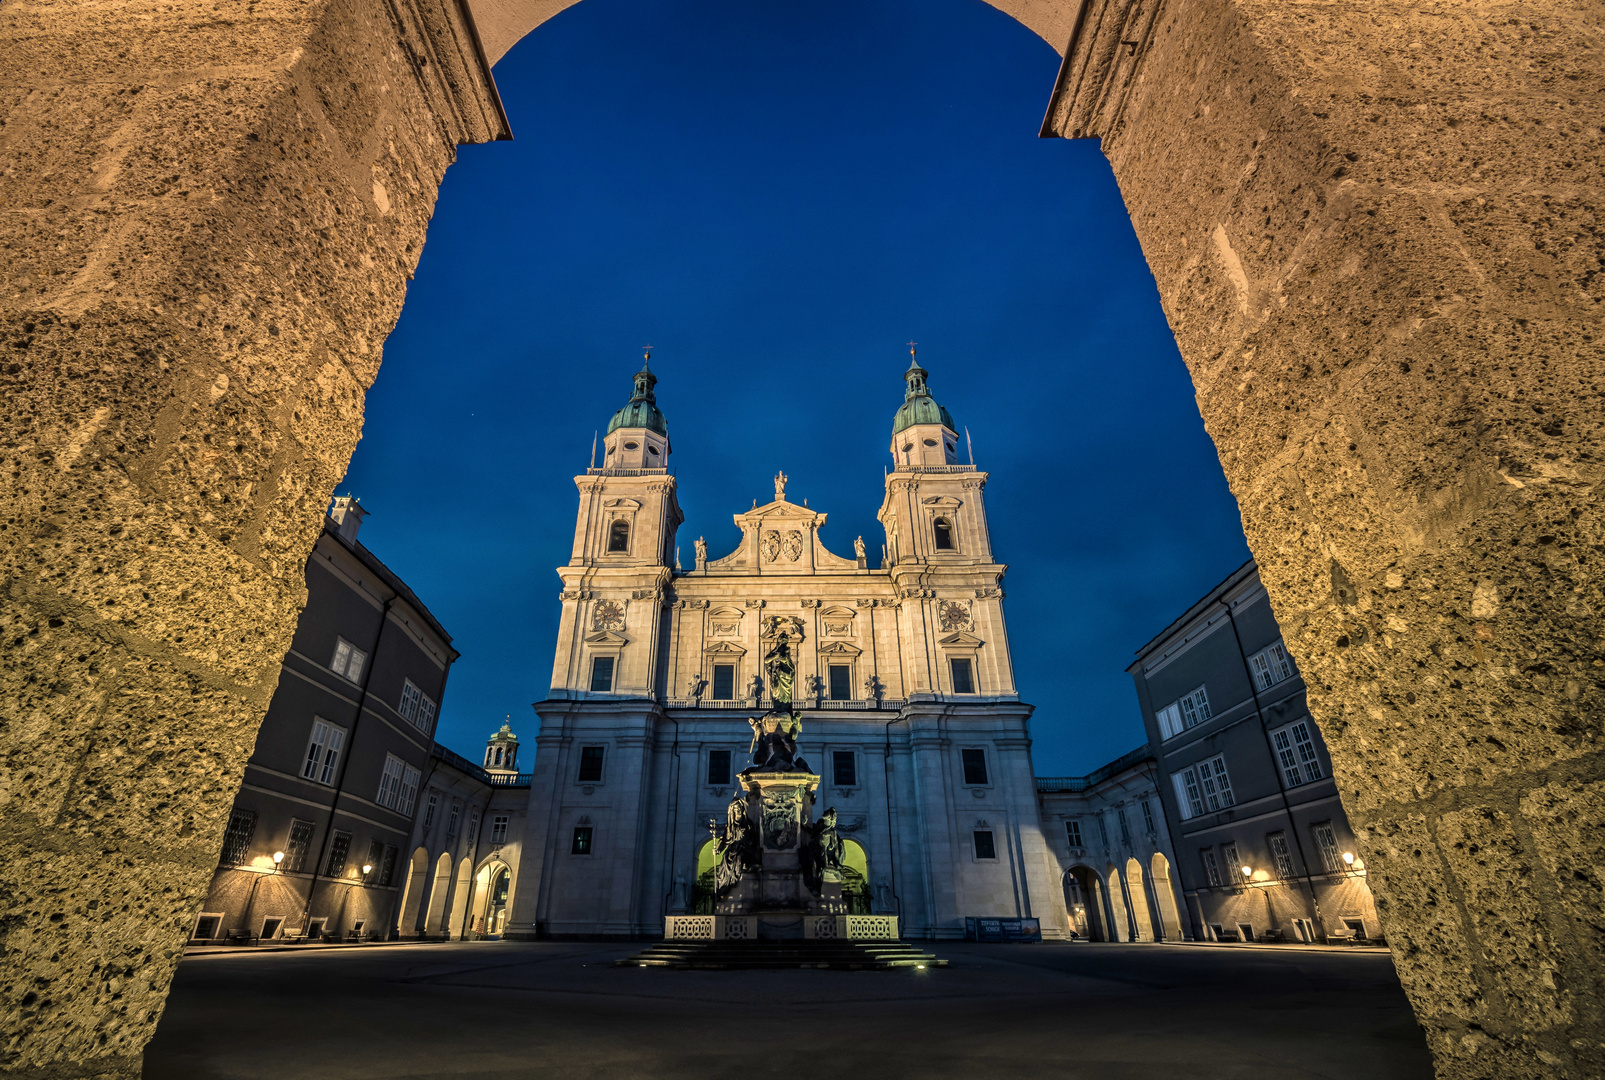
[[623, 555]]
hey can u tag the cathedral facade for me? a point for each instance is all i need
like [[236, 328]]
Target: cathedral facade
[[903, 680]]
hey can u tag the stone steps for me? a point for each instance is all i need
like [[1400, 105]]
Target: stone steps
[[828, 955]]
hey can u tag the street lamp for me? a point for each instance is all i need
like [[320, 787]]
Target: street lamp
[[1348, 857], [278, 859], [1248, 872]]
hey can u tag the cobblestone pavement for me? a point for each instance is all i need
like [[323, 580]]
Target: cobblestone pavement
[[560, 1010]]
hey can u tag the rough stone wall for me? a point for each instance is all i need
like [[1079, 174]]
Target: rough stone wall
[[210, 213], [1377, 233]]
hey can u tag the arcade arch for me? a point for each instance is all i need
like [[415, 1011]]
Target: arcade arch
[[412, 894], [1120, 924], [457, 925], [1142, 922], [1392, 333], [1167, 915], [1083, 899], [439, 888]]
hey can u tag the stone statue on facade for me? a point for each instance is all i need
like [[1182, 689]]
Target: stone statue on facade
[[822, 851], [736, 847], [781, 665], [858, 548], [774, 743], [702, 552]]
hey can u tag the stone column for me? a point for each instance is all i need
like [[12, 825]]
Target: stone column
[[1376, 231], [211, 212]]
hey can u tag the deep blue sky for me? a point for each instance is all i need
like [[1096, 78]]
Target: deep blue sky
[[777, 196]]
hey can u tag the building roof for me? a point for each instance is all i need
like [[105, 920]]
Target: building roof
[[331, 529], [1213, 595], [918, 406], [1097, 776], [471, 769], [642, 409]]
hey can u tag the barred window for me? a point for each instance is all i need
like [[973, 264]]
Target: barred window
[[387, 869], [1281, 854], [297, 846], [237, 837], [1211, 867], [339, 851], [1326, 844]]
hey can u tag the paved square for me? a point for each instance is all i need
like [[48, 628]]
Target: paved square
[[561, 1010]]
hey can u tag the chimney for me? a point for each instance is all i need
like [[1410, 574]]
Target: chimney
[[347, 515]]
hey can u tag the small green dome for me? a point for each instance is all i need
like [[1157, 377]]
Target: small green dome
[[919, 407], [642, 411]]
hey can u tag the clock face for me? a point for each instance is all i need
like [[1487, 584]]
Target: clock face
[[954, 615], [608, 616]]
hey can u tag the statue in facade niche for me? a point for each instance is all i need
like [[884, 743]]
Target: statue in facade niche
[[781, 664]]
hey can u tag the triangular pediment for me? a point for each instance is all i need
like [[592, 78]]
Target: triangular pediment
[[945, 501], [724, 648], [606, 637], [776, 510], [961, 640], [622, 504], [839, 648]]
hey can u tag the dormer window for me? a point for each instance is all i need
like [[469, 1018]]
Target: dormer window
[[944, 534], [618, 536]]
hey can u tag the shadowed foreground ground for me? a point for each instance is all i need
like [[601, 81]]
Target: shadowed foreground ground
[[505, 1009]]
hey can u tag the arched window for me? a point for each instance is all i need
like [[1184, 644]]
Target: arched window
[[618, 536], [944, 534]]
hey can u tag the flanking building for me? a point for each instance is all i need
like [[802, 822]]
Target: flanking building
[[910, 710], [467, 836], [1263, 847], [1108, 831], [316, 845]]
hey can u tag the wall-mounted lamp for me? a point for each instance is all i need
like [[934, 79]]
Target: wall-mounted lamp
[[278, 859], [1248, 872], [1348, 857]]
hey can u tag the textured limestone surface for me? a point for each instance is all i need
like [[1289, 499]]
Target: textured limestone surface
[[1377, 232], [208, 213]]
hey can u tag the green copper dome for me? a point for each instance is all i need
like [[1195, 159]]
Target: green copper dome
[[642, 411], [919, 407]]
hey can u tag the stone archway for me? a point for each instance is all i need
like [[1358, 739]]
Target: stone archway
[[1167, 916], [439, 893], [1374, 233], [408, 922], [1119, 915], [1142, 920]]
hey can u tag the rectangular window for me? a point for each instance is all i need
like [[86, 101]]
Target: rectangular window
[[718, 767], [1280, 853], [602, 674], [426, 715], [582, 840], [390, 782], [387, 869], [409, 699], [591, 764], [1216, 784], [206, 926], [1233, 861], [429, 810], [963, 676], [473, 826], [1326, 844], [1189, 800], [1072, 832], [1148, 817], [1270, 666], [348, 660], [339, 850], [1295, 752], [974, 766], [1125, 827], [1103, 830], [1194, 708], [844, 768], [237, 837], [498, 830], [376, 858], [724, 682], [297, 846], [409, 790], [985, 848], [417, 706], [1169, 721], [1211, 867], [841, 682], [323, 752], [452, 819]]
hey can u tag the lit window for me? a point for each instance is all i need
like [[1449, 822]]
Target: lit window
[[1072, 832], [718, 767], [974, 766], [237, 837], [323, 752], [944, 534], [844, 768], [390, 782], [1326, 844], [618, 537], [985, 846], [591, 764], [348, 660], [724, 682], [1280, 853], [1295, 752], [841, 682], [1203, 787], [602, 674], [582, 840], [963, 675], [1270, 666], [498, 829]]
